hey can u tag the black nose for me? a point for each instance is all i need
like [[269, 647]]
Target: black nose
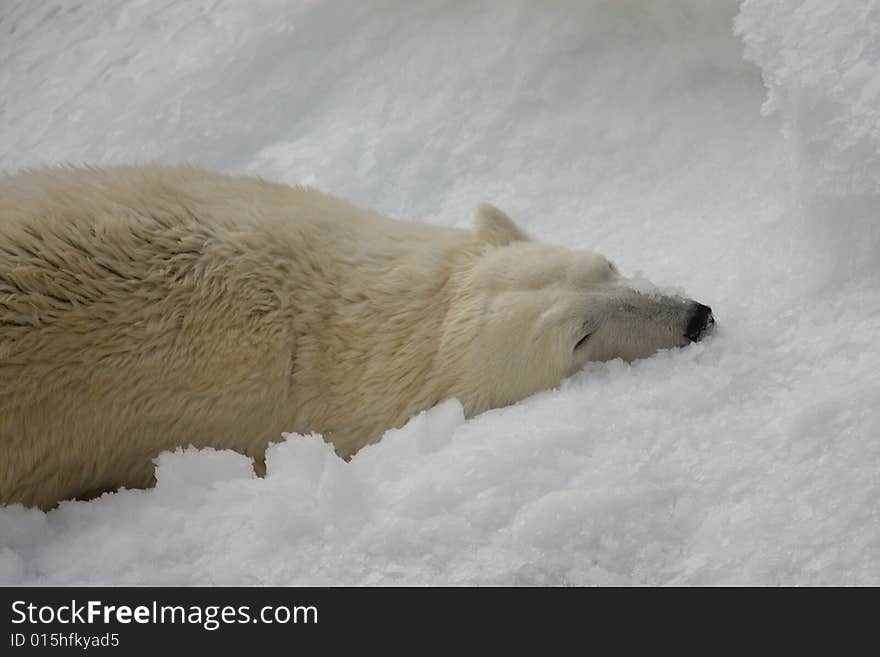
[[701, 321]]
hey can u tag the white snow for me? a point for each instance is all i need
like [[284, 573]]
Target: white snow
[[631, 127]]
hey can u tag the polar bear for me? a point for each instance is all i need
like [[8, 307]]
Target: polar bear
[[150, 307]]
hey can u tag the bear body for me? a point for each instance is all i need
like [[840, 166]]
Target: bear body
[[145, 308]]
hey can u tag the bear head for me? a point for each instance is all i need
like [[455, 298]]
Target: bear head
[[536, 313]]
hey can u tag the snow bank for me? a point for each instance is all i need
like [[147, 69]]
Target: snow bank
[[630, 127], [820, 61]]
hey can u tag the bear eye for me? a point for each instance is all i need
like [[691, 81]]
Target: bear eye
[[582, 341]]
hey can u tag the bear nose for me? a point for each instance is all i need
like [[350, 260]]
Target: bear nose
[[700, 322]]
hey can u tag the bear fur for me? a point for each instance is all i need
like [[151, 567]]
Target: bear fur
[[145, 308]]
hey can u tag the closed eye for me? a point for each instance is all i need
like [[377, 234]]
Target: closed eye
[[582, 341]]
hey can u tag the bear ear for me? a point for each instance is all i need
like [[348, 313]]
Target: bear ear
[[494, 227]]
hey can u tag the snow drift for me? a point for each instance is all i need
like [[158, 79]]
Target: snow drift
[[821, 64], [633, 128]]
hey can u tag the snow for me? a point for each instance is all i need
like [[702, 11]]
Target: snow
[[730, 151], [821, 63]]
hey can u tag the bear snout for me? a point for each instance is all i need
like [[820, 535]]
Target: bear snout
[[701, 320]]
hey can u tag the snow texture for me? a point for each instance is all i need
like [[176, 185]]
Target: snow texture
[[732, 151]]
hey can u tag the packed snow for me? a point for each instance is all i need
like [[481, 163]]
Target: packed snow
[[733, 151]]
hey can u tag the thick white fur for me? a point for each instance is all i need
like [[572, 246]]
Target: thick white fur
[[146, 308]]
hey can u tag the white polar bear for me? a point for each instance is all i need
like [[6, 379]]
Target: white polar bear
[[146, 308]]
